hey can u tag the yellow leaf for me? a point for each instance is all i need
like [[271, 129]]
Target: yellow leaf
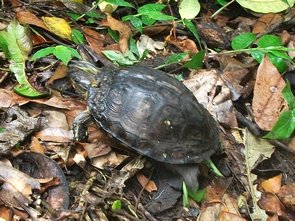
[[78, 1], [58, 26]]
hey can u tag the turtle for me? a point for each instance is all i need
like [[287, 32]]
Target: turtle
[[149, 112]]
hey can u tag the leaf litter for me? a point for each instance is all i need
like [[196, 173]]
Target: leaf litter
[[99, 172]]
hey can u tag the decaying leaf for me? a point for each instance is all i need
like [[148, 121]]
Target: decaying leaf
[[183, 43], [149, 185], [58, 26], [272, 185], [268, 101], [267, 23], [255, 149], [147, 43], [28, 18], [203, 85]]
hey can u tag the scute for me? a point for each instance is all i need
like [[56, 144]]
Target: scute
[[154, 114]]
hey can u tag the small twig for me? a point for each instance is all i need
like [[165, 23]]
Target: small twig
[[142, 189]]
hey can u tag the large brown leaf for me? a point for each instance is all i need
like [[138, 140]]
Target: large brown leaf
[[268, 101]]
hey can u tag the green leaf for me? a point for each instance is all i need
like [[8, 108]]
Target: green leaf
[[116, 205], [4, 45], [175, 58], [42, 53], [117, 57], [257, 55], [288, 95], [150, 7], [74, 53], [133, 48], [266, 6], [62, 53], [243, 40], [120, 3], [280, 63], [269, 40], [24, 87], [222, 2], [196, 62], [198, 195], [114, 35], [147, 20], [184, 195], [73, 16], [2, 129], [135, 21], [189, 9], [78, 37], [192, 27], [281, 54], [284, 127], [159, 16]]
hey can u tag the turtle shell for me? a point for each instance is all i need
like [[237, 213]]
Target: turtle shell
[[154, 114]]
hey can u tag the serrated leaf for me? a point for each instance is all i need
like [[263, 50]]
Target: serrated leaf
[[58, 26], [42, 53], [62, 53], [189, 9], [243, 40]]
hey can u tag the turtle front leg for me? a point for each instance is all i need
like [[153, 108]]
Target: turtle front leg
[[80, 125]]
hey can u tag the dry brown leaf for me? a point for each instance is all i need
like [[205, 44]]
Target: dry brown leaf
[[287, 196], [55, 135], [123, 29], [36, 146], [147, 184], [273, 184], [28, 18], [226, 216], [268, 101], [203, 85], [59, 27], [5, 213], [95, 40], [267, 22], [270, 203], [183, 43]]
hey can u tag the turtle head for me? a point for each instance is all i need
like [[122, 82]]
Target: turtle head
[[82, 75]]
